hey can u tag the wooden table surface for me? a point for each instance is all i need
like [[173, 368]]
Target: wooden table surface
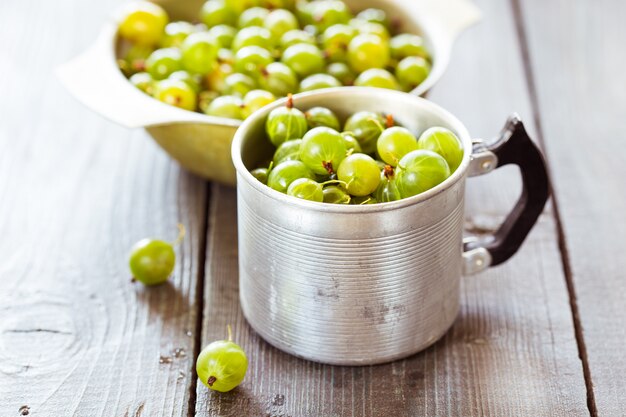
[[541, 335]]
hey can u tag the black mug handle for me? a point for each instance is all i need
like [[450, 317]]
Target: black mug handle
[[514, 146]]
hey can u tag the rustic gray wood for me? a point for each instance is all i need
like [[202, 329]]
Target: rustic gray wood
[[77, 338], [578, 62], [512, 350]]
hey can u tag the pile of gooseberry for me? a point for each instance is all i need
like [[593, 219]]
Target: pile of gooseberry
[[370, 160], [247, 53]]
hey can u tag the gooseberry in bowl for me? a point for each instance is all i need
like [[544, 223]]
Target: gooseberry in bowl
[[322, 44]]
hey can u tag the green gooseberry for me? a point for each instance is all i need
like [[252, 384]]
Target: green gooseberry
[[322, 116], [283, 174], [419, 171], [285, 123], [445, 143], [335, 194], [306, 189], [366, 127], [222, 365], [288, 151], [260, 174], [152, 261]]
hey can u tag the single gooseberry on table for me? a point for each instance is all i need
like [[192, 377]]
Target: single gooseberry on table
[[222, 365], [152, 261]]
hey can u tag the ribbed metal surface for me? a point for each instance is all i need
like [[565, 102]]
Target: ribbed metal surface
[[371, 296], [350, 285]]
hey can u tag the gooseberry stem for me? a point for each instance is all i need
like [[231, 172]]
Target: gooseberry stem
[[377, 123], [390, 121], [181, 234], [289, 104], [334, 182], [230, 333], [328, 166], [388, 171]]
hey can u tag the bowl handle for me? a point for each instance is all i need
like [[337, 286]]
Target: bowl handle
[[513, 147], [96, 81], [452, 17]]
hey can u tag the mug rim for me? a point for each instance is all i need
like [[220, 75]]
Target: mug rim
[[458, 175]]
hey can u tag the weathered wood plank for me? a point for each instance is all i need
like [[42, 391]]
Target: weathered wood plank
[[512, 350], [577, 59], [76, 337], [506, 355]]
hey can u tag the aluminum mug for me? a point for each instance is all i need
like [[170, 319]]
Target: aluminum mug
[[367, 284]]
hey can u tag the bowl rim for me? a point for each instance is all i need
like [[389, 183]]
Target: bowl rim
[[243, 174]]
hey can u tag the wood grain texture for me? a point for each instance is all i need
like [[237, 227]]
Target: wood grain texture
[[577, 62], [512, 350], [76, 337]]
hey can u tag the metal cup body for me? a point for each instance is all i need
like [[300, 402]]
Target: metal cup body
[[350, 285]]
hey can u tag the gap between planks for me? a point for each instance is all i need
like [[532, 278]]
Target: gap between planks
[[520, 27], [197, 347]]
